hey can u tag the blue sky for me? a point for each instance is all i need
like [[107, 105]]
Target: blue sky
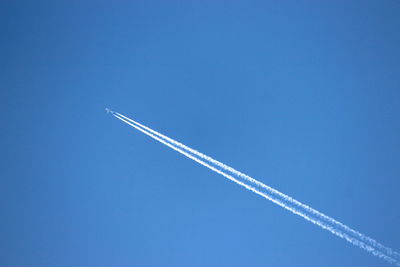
[[304, 96]]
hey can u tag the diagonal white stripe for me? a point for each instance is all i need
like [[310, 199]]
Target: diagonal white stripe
[[273, 195]]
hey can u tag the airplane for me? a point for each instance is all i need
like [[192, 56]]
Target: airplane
[[109, 111]]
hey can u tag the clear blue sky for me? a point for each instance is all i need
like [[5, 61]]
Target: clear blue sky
[[302, 95]]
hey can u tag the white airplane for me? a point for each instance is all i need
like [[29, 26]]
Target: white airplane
[[109, 111]]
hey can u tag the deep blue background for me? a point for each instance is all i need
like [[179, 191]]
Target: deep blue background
[[304, 96]]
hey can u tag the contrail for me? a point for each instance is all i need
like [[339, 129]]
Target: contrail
[[273, 195], [271, 190]]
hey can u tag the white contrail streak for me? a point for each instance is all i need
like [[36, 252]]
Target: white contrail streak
[[274, 195], [271, 190]]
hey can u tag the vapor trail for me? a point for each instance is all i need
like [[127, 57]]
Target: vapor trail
[[272, 191], [273, 195]]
